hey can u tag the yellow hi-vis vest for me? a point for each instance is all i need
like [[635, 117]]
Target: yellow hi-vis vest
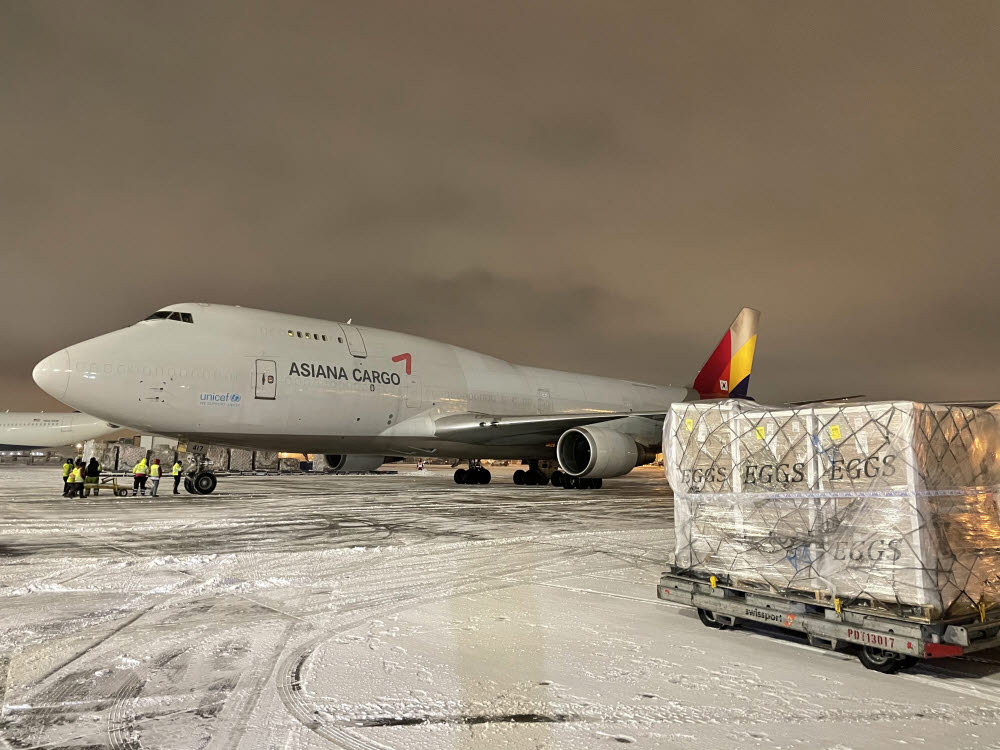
[[141, 468], [67, 469], [154, 471], [177, 469], [76, 475]]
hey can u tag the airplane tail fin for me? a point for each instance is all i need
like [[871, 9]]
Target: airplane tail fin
[[726, 374]]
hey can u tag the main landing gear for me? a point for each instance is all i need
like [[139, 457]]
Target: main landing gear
[[532, 476], [536, 475], [567, 482], [475, 474]]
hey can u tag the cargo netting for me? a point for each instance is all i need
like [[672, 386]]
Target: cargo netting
[[889, 505]]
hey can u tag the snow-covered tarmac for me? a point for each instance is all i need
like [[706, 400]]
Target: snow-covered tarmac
[[409, 612]]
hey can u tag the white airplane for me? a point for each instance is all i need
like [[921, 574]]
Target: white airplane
[[233, 376], [26, 430]]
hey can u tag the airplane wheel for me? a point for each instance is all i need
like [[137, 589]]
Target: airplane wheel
[[205, 483], [570, 482], [519, 477], [596, 483], [556, 478], [582, 483], [460, 476], [529, 478], [540, 479], [485, 476], [189, 485]]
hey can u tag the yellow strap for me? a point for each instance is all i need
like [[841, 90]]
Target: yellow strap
[[714, 581], [837, 605]]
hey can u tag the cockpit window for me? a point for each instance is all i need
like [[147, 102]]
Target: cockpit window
[[181, 317]]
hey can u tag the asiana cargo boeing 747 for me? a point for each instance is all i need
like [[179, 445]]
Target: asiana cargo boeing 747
[[247, 378]]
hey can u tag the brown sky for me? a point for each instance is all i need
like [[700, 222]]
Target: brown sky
[[593, 186]]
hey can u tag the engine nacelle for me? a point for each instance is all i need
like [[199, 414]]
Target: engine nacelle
[[598, 452], [349, 463]]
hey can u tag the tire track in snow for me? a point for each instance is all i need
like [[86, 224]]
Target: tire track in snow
[[122, 732], [479, 579], [4, 677]]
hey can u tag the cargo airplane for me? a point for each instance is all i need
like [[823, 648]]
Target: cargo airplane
[[206, 373], [27, 430]]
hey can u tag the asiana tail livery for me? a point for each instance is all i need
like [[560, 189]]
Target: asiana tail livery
[[253, 379]]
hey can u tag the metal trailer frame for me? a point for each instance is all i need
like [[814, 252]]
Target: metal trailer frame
[[887, 642]]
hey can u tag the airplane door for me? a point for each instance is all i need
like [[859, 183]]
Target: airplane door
[[413, 392], [267, 379], [544, 401], [65, 424], [355, 342]]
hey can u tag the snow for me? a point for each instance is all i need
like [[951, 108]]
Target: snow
[[409, 612]]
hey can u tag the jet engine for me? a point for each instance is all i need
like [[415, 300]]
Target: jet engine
[[599, 452], [348, 463]]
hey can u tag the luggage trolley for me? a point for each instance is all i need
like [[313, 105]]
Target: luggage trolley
[[116, 489], [886, 642]]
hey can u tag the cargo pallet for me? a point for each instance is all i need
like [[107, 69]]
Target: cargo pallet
[[886, 642]]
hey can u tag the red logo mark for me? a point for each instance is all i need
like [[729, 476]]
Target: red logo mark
[[408, 358]]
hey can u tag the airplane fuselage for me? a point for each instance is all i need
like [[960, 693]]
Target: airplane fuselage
[[27, 430], [251, 378]]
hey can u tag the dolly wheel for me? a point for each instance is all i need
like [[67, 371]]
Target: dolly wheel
[[886, 662], [708, 619], [906, 662]]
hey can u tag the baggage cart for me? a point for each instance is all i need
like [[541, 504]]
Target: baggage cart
[[116, 489]]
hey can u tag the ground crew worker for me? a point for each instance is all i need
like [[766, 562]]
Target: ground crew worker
[[176, 471], [92, 479], [76, 480], [139, 472], [67, 468], [154, 474]]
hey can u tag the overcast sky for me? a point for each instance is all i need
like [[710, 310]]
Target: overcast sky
[[591, 186]]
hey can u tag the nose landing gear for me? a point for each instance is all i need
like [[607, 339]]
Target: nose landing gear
[[200, 480], [475, 474]]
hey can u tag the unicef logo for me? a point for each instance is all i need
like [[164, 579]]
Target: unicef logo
[[219, 399]]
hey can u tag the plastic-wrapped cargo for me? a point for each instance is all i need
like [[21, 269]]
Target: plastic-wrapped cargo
[[891, 505]]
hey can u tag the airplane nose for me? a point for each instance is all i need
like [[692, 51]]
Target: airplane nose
[[52, 374]]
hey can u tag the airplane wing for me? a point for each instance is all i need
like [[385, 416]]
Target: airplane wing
[[489, 429]]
